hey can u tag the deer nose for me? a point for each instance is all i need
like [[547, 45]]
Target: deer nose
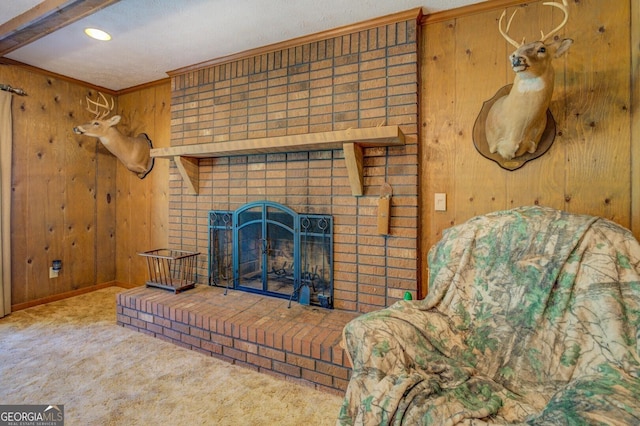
[[517, 61], [77, 131]]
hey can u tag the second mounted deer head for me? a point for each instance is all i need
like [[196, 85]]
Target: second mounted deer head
[[516, 121], [134, 153]]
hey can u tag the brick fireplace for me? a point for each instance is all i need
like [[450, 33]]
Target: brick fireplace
[[363, 77], [353, 80]]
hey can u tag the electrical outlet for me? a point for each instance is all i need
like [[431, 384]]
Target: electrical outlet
[[440, 202], [53, 273]]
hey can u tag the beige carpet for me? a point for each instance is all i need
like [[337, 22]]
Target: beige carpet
[[71, 352]]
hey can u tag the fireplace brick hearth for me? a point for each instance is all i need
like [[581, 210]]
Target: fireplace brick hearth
[[300, 343], [350, 80]]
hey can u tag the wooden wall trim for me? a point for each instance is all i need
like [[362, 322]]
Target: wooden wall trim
[[7, 61], [66, 295], [31, 68], [635, 117], [458, 12], [143, 86], [415, 13]]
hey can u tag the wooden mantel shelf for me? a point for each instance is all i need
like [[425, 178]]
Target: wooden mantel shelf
[[352, 141]]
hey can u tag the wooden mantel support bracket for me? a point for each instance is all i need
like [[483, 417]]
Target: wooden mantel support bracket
[[353, 158], [190, 172], [351, 141]]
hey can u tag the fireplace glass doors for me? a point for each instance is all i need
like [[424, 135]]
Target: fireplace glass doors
[[267, 248]]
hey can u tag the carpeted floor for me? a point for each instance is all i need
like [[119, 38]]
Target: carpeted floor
[[71, 352]]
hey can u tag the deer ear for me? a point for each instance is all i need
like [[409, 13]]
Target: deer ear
[[114, 120], [563, 47]]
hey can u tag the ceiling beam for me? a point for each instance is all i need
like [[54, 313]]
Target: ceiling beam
[[43, 19]]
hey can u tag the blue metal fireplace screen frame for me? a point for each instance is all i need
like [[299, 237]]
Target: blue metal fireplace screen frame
[[243, 242]]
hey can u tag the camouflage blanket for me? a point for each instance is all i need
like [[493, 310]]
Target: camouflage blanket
[[533, 317]]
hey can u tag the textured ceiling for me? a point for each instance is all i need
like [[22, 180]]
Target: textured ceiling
[[152, 37], [11, 8]]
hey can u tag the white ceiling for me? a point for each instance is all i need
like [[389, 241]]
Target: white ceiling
[[153, 37]]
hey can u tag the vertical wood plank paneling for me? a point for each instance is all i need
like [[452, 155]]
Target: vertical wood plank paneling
[[106, 233], [437, 111], [159, 206], [125, 205], [58, 104], [38, 171], [587, 170], [75, 210], [635, 121], [39, 163], [54, 198], [480, 184], [141, 120], [598, 113], [142, 205], [80, 207], [123, 223], [21, 107]]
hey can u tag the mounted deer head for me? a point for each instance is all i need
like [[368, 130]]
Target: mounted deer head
[[515, 122], [134, 153]]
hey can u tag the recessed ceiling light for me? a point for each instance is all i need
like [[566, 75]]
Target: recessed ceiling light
[[97, 34]]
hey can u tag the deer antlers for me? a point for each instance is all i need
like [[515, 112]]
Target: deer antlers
[[104, 105], [562, 6]]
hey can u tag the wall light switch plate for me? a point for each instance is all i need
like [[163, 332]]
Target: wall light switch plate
[[440, 202]]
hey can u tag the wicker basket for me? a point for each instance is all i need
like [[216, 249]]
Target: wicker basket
[[171, 269]]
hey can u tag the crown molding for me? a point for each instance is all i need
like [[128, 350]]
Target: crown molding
[[31, 68], [472, 9]]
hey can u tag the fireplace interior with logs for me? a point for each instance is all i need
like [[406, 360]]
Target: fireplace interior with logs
[[267, 248]]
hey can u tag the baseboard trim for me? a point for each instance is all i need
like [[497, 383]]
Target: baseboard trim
[[66, 295]]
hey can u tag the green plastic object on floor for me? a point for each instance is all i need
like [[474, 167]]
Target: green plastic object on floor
[[407, 295]]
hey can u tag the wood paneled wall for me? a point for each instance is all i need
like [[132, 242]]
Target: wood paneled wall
[[142, 206], [72, 200], [587, 170], [63, 191]]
